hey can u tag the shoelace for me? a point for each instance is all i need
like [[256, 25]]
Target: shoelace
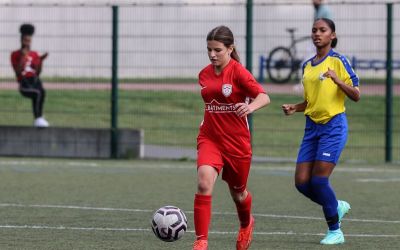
[[242, 235], [200, 243]]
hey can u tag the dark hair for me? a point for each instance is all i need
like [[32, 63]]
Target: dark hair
[[331, 25], [224, 35], [27, 29]]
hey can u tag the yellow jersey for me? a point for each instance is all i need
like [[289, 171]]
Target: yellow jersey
[[324, 98]]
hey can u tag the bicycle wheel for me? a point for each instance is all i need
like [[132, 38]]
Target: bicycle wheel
[[280, 65]]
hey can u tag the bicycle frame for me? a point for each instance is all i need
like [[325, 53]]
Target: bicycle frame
[[282, 61], [294, 41]]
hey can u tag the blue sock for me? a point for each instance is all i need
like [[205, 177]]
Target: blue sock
[[325, 194], [306, 190]]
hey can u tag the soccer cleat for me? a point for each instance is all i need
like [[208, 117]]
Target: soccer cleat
[[333, 237], [245, 236], [40, 122], [343, 208], [200, 245]]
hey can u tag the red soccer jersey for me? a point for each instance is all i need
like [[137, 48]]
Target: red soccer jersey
[[30, 64], [220, 93]]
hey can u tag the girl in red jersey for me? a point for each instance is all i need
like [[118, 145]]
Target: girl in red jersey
[[224, 137], [27, 65]]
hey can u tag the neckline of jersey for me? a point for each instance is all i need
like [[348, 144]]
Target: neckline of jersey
[[323, 59]]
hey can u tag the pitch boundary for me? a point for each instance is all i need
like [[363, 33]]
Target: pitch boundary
[[188, 212], [42, 227]]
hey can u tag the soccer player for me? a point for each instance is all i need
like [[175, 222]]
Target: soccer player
[[230, 93], [327, 78], [27, 65]]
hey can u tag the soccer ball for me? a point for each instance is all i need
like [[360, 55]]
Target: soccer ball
[[169, 223]]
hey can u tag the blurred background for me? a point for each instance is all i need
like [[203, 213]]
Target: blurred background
[[161, 47]]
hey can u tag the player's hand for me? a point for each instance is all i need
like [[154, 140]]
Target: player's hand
[[331, 74], [243, 109], [44, 56], [25, 51], [289, 109]]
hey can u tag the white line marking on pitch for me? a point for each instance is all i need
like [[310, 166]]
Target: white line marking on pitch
[[189, 231], [379, 180], [76, 207], [189, 166], [188, 212]]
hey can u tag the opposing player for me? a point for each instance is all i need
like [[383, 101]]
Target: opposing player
[[230, 93], [328, 78], [27, 65]]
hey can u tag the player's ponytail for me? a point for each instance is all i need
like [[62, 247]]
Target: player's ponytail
[[224, 35], [235, 55], [334, 42]]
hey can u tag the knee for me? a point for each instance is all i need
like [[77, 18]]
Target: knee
[[302, 187], [317, 181], [301, 181], [205, 186], [239, 197]]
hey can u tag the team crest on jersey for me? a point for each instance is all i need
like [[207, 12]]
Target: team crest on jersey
[[227, 89]]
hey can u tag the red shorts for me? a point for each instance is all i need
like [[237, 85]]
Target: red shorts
[[235, 170]]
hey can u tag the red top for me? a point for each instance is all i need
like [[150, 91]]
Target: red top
[[30, 65], [220, 93]]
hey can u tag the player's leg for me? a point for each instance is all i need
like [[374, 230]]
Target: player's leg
[[27, 89], [209, 164], [38, 104], [305, 161], [206, 176], [333, 136], [236, 172], [325, 193], [41, 98], [327, 197], [302, 180], [243, 202]]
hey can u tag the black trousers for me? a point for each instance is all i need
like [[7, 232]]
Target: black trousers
[[32, 88]]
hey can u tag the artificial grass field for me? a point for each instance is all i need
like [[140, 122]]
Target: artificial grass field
[[88, 204]]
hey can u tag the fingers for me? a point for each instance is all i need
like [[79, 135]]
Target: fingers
[[44, 56], [242, 109], [287, 109], [330, 73]]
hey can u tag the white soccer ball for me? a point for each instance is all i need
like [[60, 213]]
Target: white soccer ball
[[169, 223]]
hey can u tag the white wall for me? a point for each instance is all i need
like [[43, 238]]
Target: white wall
[[169, 40]]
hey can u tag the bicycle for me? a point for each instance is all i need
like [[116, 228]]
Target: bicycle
[[282, 62]]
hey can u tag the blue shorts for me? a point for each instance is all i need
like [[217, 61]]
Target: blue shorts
[[323, 142]]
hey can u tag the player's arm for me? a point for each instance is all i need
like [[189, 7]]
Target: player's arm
[[351, 92], [39, 66], [19, 63], [290, 109], [261, 100]]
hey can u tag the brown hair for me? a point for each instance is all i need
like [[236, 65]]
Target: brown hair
[[224, 35]]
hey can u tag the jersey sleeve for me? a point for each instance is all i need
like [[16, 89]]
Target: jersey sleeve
[[347, 73], [247, 82], [14, 59]]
